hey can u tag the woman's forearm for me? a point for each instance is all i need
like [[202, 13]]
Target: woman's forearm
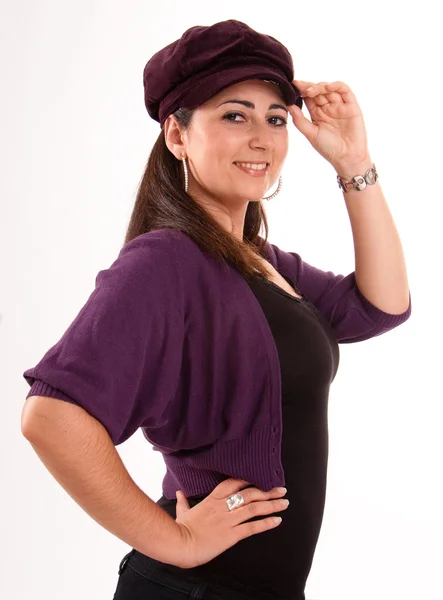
[[380, 268], [79, 453]]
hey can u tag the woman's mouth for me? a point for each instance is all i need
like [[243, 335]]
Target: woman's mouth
[[253, 169]]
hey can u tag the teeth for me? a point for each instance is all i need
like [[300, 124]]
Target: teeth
[[259, 167]]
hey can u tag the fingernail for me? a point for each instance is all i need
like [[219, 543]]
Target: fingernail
[[309, 89], [282, 490]]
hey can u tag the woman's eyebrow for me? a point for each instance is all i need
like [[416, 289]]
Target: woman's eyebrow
[[252, 105]]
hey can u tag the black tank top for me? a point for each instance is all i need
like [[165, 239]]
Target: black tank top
[[276, 563]]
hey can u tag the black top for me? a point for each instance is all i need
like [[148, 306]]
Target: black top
[[276, 563]]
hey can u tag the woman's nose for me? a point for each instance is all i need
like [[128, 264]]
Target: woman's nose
[[261, 137]]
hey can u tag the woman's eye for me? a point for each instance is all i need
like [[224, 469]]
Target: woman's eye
[[284, 122], [236, 114], [228, 115]]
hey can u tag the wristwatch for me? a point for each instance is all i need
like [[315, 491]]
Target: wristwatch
[[358, 182]]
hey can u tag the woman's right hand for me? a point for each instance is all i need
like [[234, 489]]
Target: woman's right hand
[[209, 528]]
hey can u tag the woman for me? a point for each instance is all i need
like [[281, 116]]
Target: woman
[[210, 339]]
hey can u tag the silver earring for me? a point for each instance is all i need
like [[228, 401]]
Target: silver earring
[[185, 167], [276, 191]]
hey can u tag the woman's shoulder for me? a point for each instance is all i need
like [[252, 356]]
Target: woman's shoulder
[[159, 242], [161, 239], [159, 251]]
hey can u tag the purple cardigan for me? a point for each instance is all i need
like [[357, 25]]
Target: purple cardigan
[[175, 342]]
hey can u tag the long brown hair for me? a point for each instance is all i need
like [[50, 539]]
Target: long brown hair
[[161, 201]]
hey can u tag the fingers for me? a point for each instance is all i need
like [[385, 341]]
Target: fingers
[[313, 94], [302, 85], [232, 486], [257, 500], [258, 509], [324, 91], [253, 494], [309, 88]]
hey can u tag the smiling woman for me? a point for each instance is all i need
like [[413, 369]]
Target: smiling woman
[[206, 166], [220, 346], [215, 165], [220, 140]]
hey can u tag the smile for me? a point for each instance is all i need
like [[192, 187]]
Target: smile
[[256, 170]]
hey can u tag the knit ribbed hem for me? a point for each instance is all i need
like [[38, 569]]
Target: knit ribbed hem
[[256, 458], [41, 388], [380, 317]]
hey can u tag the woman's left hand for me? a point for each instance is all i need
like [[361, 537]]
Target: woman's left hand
[[336, 129]]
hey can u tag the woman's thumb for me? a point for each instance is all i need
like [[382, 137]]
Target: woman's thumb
[[307, 128], [182, 505]]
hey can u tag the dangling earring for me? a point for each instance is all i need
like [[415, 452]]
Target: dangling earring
[[185, 167], [276, 191]]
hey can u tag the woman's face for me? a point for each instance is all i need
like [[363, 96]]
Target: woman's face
[[246, 122]]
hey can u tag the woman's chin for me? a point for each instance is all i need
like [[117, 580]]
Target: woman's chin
[[254, 193]]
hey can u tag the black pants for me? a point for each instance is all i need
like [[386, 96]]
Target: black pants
[[140, 578]]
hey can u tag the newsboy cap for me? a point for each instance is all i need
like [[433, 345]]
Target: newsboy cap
[[206, 59]]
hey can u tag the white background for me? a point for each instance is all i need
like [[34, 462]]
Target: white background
[[75, 139]]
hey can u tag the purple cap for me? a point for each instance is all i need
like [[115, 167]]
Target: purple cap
[[206, 59]]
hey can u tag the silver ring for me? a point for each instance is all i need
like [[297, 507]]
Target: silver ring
[[234, 501]]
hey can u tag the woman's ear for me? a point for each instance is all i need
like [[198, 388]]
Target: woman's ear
[[174, 137]]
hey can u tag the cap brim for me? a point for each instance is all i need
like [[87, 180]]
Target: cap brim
[[213, 83]]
